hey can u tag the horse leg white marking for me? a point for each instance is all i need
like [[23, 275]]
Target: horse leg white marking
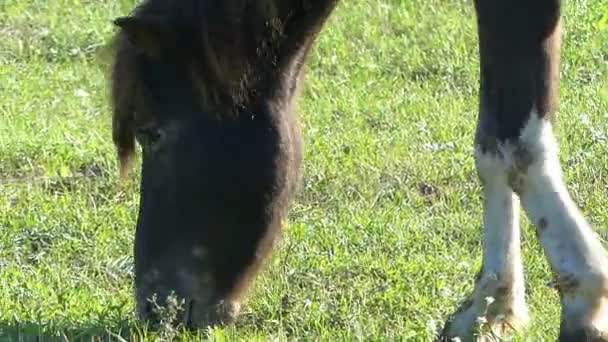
[[498, 298], [574, 252]]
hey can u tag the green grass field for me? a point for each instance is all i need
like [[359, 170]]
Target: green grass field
[[383, 240]]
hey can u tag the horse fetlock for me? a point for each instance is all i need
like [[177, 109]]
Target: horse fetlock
[[495, 308], [584, 308]]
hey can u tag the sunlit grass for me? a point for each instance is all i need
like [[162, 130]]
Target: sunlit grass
[[384, 238]]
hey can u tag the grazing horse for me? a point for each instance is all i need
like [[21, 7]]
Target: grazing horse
[[207, 89]]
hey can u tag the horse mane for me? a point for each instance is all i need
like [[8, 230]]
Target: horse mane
[[225, 42]]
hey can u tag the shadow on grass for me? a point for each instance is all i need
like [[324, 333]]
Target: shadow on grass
[[111, 330]]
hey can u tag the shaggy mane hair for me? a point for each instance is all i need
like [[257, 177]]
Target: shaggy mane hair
[[239, 52]]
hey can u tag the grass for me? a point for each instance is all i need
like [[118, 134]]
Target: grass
[[383, 241]]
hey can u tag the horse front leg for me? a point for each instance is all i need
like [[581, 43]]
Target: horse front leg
[[497, 304], [516, 151]]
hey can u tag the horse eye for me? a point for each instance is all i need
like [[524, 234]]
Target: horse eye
[[150, 137]]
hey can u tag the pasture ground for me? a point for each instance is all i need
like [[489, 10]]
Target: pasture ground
[[383, 241]]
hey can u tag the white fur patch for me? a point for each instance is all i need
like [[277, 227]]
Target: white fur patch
[[572, 248], [500, 219], [570, 243], [498, 298]]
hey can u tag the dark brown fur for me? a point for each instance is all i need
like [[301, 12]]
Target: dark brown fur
[[207, 87], [226, 43], [519, 65]]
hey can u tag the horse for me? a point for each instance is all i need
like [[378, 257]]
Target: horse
[[207, 88]]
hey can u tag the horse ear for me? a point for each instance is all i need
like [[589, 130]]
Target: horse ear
[[150, 34]]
